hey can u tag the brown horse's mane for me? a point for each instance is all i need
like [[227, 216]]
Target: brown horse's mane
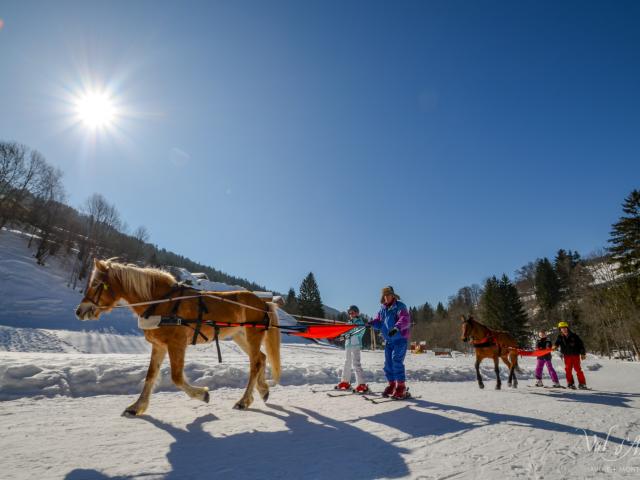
[[139, 281], [473, 320]]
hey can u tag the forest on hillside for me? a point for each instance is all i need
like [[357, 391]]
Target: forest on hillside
[[33, 198]]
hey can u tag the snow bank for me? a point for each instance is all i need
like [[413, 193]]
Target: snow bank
[[77, 374]]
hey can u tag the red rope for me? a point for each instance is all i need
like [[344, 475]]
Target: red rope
[[534, 353]]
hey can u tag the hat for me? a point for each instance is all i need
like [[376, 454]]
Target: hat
[[353, 308], [388, 290], [563, 325]]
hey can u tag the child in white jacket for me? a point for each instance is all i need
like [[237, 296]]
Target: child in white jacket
[[353, 346]]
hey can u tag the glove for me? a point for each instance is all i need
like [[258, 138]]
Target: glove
[[583, 357], [393, 331]]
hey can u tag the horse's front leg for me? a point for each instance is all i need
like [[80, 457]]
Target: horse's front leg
[[158, 353], [176, 357], [497, 369], [478, 376]]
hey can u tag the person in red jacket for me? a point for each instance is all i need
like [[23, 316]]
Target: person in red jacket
[[572, 349]]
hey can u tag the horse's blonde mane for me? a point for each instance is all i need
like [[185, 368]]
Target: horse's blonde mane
[[139, 281]]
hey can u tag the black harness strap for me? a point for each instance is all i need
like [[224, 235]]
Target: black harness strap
[[216, 329], [152, 308], [202, 308]]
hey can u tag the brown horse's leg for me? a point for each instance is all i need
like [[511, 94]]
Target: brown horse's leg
[[261, 383], [478, 376], [256, 363], [513, 356], [176, 357], [158, 352], [508, 361], [497, 369]]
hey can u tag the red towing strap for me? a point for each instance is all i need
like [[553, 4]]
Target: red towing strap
[[324, 331], [534, 353]]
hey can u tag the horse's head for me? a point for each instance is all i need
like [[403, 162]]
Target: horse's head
[[98, 295], [467, 328]]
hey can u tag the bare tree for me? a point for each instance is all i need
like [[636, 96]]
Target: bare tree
[[19, 170]]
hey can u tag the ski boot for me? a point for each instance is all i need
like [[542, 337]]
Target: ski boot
[[343, 386], [389, 390], [539, 383], [571, 386], [362, 388], [556, 385], [583, 386], [401, 392]]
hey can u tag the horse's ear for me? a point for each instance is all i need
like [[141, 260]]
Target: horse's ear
[[100, 265]]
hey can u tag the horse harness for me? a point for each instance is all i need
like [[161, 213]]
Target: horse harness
[[488, 341], [173, 319]]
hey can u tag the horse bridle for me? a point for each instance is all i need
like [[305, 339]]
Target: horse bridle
[[99, 290]]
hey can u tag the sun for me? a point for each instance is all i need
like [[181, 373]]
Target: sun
[[96, 109]]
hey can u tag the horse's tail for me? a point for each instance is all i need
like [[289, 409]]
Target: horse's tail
[[272, 342]]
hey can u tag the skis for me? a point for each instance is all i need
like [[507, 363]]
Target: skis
[[328, 390], [373, 397], [340, 393], [334, 393], [548, 387], [561, 388], [378, 398]]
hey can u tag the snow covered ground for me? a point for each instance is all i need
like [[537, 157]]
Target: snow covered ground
[[60, 418], [64, 384]]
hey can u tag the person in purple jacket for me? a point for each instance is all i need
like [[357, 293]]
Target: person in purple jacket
[[394, 321]]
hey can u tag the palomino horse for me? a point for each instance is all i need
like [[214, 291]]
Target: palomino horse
[[111, 282], [491, 344]]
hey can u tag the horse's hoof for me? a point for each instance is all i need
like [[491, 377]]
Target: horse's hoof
[[205, 397], [239, 406], [265, 397], [498, 387], [129, 413], [481, 385]]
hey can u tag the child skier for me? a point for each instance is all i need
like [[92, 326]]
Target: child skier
[[543, 344], [573, 350], [352, 347], [394, 322]]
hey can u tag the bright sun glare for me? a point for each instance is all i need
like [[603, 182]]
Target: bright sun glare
[[95, 109]]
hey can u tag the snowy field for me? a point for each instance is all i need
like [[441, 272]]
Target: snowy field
[[64, 384], [60, 418]]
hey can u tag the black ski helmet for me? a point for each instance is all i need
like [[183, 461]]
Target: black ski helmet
[[353, 308]]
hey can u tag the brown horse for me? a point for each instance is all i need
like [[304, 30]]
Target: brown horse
[[110, 282], [493, 344]]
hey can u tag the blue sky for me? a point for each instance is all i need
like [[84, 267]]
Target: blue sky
[[426, 145]]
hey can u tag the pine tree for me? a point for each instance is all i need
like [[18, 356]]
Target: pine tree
[[502, 309], [291, 303], [441, 312], [426, 312], [564, 265], [547, 284], [309, 301], [625, 236]]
